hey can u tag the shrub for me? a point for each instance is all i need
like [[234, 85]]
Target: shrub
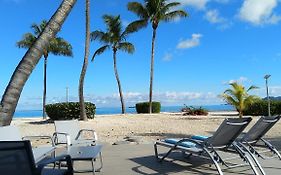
[[189, 110], [69, 110], [144, 107], [260, 107]]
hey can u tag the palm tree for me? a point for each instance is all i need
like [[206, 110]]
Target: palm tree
[[83, 115], [115, 39], [57, 46], [29, 61], [238, 97], [154, 11]]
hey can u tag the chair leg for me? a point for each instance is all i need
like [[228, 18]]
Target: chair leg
[[246, 157], [214, 161], [272, 148]]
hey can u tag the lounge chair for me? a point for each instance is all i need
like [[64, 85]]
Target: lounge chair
[[253, 139], [68, 132], [12, 133], [16, 158], [222, 139]]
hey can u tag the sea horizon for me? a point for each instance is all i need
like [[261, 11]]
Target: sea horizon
[[29, 113]]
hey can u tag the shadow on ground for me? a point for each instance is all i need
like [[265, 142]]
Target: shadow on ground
[[177, 164]]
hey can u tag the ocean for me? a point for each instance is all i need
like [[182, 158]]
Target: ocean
[[117, 110]]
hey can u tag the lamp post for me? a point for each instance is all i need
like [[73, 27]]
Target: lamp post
[[268, 100], [66, 94]]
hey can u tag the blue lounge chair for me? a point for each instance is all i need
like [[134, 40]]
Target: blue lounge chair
[[222, 140]]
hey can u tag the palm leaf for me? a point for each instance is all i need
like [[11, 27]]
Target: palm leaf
[[126, 47], [135, 26], [27, 41], [100, 51], [174, 14], [252, 87], [138, 9], [58, 46]]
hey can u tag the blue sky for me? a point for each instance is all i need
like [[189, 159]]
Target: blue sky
[[195, 58]]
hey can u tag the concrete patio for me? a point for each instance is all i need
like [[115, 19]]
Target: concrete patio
[[130, 159]]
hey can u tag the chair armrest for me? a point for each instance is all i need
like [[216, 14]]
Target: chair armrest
[[39, 137], [95, 136], [56, 141], [61, 158]]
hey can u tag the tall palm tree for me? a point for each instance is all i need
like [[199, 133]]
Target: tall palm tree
[[31, 58], [83, 115], [154, 11], [115, 39], [57, 46], [238, 97]]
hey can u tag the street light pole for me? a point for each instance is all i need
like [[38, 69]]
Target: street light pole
[[268, 100], [66, 95]]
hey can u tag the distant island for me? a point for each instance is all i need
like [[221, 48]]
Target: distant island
[[273, 98]]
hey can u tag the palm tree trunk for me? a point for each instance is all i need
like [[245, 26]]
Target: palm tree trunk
[[45, 87], [151, 71], [83, 115], [29, 61], [118, 82]]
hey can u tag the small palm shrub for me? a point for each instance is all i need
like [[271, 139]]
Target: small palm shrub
[[69, 110], [260, 108], [189, 110], [144, 107]]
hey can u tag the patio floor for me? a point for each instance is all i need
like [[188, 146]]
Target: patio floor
[[139, 159]]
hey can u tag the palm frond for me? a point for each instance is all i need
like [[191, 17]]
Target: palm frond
[[135, 26], [174, 14], [126, 47], [27, 41], [58, 46], [99, 35], [138, 9], [100, 51], [168, 6], [252, 88]]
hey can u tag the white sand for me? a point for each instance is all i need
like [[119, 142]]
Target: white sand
[[144, 127]]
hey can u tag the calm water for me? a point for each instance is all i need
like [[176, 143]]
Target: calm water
[[117, 110]]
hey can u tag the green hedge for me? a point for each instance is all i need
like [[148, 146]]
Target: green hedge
[[70, 110], [260, 108], [144, 107]]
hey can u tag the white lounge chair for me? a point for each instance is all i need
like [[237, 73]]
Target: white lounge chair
[[68, 132], [12, 133]]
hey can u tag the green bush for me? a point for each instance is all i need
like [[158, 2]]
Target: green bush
[[260, 108], [190, 110], [70, 110], [144, 107]]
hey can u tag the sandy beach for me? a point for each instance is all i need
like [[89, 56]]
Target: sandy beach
[[141, 128]]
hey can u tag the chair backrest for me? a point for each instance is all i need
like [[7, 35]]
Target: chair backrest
[[10, 133], [228, 131], [71, 127], [262, 126], [16, 158]]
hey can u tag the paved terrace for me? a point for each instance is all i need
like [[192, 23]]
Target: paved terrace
[[130, 159]]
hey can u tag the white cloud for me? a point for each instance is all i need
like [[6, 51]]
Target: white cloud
[[131, 98], [189, 43], [198, 4], [213, 16], [239, 80], [259, 12], [222, 1], [167, 57]]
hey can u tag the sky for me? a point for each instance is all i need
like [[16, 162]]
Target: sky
[[196, 58]]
